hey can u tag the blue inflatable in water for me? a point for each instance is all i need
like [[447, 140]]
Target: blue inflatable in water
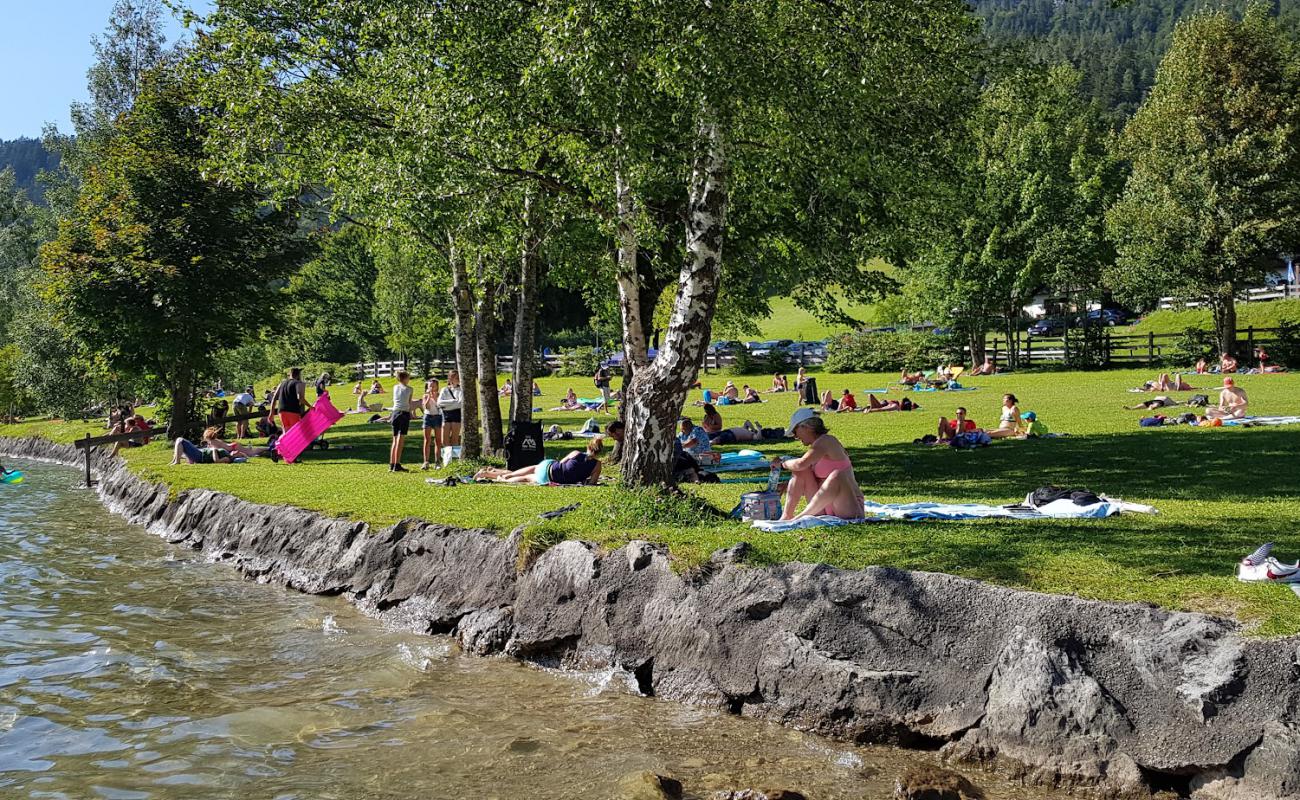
[[11, 477]]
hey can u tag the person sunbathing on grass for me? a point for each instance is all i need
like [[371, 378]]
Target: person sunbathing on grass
[[911, 378], [577, 468], [1165, 383], [214, 450], [1232, 402], [848, 403], [987, 368], [829, 403], [876, 404], [823, 475], [779, 384], [751, 395], [1009, 422]]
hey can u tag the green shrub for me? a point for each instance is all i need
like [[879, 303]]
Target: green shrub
[[1086, 347], [580, 361], [1192, 345], [1285, 348], [888, 351], [746, 363]]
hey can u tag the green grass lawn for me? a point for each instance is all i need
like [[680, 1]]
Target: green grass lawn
[[789, 321], [1221, 492]]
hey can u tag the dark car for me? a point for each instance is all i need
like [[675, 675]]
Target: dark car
[[724, 347], [1048, 326], [767, 348], [1107, 316]]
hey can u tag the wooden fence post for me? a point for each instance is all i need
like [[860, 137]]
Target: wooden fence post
[[1151, 347], [1029, 350], [89, 481], [1250, 340]]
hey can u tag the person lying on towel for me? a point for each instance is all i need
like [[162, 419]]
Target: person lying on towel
[[578, 467], [1232, 402], [823, 475]]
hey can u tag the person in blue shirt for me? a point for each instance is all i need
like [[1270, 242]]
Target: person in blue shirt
[[694, 439]]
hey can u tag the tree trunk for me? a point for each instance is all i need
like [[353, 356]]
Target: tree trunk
[[462, 299], [629, 283], [485, 328], [977, 341], [658, 391], [1224, 306], [525, 342], [180, 421]]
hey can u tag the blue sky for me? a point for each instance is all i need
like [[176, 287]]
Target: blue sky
[[44, 54]]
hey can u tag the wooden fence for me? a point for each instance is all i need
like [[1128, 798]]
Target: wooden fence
[[1118, 350], [505, 364]]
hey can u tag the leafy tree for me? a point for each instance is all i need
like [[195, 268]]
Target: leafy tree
[[1214, 194], [1026, 208], [331, 309], [159, 266]]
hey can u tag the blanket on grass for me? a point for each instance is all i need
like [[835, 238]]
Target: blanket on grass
[[919, 512], [740, 461], [1250, 422]]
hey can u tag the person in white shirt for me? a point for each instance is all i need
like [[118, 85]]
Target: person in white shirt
[[449, 401], [401, 420], [244, 402]]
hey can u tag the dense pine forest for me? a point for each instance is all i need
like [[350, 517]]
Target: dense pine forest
[[27, 158], [1117, 45]]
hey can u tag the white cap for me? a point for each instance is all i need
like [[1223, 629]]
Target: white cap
[[798, 417]]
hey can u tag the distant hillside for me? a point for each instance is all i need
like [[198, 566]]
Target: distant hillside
[[1117, 44], [27, 158]]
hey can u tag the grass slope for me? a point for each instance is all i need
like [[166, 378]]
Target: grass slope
[[1221, 492], [1261, 315]]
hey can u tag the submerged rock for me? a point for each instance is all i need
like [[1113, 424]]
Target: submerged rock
[[933, 783], [646, 785]]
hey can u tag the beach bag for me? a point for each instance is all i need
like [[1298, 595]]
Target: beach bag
[[1199, 400], [1152, 422], [1050, 494], [760, 505], [810, 396], [523, 444], [1187, 418], [590, 426]]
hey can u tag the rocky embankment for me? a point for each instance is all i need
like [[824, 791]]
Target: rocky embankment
[[1114, 699]]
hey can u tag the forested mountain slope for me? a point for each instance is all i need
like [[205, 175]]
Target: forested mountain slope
[[1117, 45], [27, 158]]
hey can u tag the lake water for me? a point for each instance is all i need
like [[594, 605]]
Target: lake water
[[128, 669]]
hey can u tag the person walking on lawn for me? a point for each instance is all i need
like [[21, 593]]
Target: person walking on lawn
[[401, 420], [290, 399]]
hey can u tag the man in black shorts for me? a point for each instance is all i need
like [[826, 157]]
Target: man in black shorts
[[401, 420]]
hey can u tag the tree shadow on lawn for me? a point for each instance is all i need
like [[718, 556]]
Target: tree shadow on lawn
[[1246, 465]]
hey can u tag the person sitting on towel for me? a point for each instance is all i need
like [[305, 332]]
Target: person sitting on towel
[[507, 390], [1031, 427], [959, 424], [1232, 402], [848, 403], [1227, 364], [694, 439], [376, 387], [751, 395], [823, 475], [779, 384], [1201, 368], [1009, 421], [569, 403], [577, 468], [712, 421]]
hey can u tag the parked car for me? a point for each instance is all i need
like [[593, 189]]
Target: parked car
[[1048, 326], [1107, 316], [815, 349], [766, 348], [724, 347], [616, 360]]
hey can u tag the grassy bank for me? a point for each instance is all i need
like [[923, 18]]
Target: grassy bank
[[1221, 492]]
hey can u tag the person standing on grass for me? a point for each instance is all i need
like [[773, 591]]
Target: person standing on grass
[[244, 402], [449, 403], [432, 423], [601, 379], [290, 399], [401, 420]]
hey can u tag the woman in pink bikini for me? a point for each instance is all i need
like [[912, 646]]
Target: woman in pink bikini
[[823, 475]]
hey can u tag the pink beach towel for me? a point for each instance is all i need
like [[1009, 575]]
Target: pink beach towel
[[300, 436]]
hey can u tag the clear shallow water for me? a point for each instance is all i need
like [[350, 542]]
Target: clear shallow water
[[130, 670]]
